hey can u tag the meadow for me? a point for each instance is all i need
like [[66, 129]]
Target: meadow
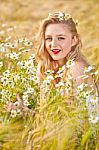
[[26, 122]]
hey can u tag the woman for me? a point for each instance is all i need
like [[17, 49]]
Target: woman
[[60, 47], [60, 42]]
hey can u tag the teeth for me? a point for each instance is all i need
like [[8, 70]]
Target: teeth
[[55, 50]]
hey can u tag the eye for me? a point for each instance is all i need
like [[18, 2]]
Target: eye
[[61, 38], [48, 39]]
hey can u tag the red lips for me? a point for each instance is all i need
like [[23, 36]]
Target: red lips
[[56, 51]]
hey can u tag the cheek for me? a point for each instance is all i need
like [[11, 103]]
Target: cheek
[[68, 44]]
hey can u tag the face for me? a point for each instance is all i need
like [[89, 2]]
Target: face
[[58, 41]]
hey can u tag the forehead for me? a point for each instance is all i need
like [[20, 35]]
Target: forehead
[[59, 28]]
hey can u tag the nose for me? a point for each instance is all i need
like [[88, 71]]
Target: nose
[[54, 43]]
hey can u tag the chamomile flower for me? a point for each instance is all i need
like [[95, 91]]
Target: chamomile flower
[[6, 73], [81, 87], [84, 76], [16, 77], [96, 72], [2, 48], [90, 68], [59, 84], [49, 72], [17, 103], [32, 56], [13, 55], [93, 119], [4, 25], [61, 69], [13, 113], [29, 64], [30, 90], [50, 77], [25, 97], [69, 63]]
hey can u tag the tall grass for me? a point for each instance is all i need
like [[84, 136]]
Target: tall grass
[[54, 122]]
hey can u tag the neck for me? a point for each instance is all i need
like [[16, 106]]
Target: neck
[[61, 62]]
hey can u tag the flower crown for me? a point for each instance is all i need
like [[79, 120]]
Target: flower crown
[[62, 16]]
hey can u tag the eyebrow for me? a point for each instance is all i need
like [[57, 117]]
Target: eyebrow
[[57, 35]]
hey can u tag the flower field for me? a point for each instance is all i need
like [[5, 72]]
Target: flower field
[[56, 121]]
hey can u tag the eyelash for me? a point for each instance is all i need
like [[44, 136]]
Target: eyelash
[[59, 38], [48, 39]]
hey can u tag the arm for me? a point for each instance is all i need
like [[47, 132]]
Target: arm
[[92, 98]]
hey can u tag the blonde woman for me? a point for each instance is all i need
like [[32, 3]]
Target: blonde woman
[[60, 47], [59, 42]]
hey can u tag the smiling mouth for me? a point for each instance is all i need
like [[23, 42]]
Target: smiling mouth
[[56, 51]]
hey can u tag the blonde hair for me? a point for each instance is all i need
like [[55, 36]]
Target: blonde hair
[[45, 60]]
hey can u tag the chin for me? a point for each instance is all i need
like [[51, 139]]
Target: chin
[[56, 58]]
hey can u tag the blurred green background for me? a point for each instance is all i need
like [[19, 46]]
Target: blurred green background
[[27, 14]]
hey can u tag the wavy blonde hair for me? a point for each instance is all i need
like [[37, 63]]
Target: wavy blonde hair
[[45, 60]]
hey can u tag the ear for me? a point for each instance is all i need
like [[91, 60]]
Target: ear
[[74, 40]]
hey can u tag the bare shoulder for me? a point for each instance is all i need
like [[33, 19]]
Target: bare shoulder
[[77, 70]]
